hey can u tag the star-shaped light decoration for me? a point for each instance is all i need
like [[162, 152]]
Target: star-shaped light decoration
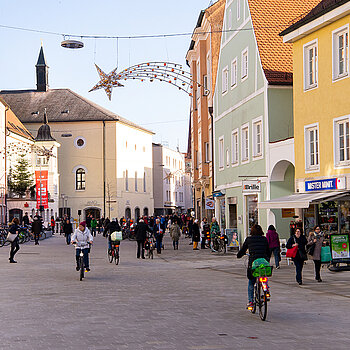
[[171, 73], [106, 82]]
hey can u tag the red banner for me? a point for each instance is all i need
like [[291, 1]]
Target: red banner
[[41, 178]]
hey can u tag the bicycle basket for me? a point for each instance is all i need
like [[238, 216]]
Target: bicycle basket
[[116, 236], [261, 267]]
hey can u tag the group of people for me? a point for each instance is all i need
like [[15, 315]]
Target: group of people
[[260, 246]]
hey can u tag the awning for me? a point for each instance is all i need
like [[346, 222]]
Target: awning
[[301, 200]]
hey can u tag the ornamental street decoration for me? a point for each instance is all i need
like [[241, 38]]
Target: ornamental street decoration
[[171, 73]]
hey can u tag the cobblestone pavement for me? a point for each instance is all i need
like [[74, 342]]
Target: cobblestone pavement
[[183, 300]]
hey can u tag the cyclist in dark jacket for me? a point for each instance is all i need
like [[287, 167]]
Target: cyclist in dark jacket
[[258, 247], [112, 226]]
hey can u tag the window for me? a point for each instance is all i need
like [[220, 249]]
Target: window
[[234, 72], [229, 21], [144, 182], [341, 53], [257, 138], [234, 147], [41, 160], [310, 65], [312, 147], [221, 152], [199, 147], [181, 195], [126, 180], [136, 189], [238, 9], [224, 80], [207, 152], [341, 142], [205, 85], [227, 157], [245, 143], [175, 196], [244, 64], [80, 142], [80, 179]]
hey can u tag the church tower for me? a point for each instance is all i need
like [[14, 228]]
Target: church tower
[[42, 72]]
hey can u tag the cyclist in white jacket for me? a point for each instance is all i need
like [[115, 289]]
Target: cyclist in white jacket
[[82, 239]]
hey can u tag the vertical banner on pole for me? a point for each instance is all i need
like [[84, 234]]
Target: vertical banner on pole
[[41, 188]]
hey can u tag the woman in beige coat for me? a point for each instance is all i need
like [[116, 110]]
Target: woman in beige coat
[[175, 234], [316, 238]]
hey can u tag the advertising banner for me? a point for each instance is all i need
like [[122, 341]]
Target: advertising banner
[[340, 246], [251, 186], [41, 179], [325, 184], [209, 204], [232, 238]]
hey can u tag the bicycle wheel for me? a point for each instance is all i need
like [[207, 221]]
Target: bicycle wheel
[[81, 264], [110, 255], [2, 240], [116, 256], [262, 303]]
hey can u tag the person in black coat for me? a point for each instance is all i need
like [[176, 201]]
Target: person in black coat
[[141, 235], [14, 229], [258, 247], [298, 240], [36, 228], [25, 220], [68, 230], [196, 236]]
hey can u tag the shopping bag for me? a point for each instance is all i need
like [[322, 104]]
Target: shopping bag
[[326, 254], [11, 237], [292, 252], [116, 236]]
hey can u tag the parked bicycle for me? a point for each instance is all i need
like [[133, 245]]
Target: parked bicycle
[[219, 243]]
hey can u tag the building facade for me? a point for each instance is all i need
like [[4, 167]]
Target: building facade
[[321, 115], [253, 115], [202, 58], [105, 161], [172, 183]]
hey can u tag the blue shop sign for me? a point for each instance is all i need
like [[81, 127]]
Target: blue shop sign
[[324, 185]]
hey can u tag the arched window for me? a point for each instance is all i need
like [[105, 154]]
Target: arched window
[[127, 213], [145, 211], [80, 179], [137, 213]]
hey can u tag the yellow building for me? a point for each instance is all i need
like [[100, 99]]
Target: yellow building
[[321, 115]]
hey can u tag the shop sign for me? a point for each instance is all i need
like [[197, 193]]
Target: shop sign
[[325, 184], [251, 186], [232, 238], [217, 194], [41, 178], [209, 204], [288, 213], [340, 246]]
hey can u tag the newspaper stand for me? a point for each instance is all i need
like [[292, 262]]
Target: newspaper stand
[[340, 252]]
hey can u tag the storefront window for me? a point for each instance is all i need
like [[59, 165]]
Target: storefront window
[[328, 217], [252, 211], [309, 219], [344, 217]]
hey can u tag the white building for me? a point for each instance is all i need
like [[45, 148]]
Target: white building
[[105, 161], [172, 184]]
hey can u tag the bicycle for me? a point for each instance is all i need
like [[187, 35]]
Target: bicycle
[[149, 248], [113, 253], [219, 243], [81, 264], [261, 291]]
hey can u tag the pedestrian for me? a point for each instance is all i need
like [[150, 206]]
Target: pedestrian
[[88, 221], [93, 226], [82, 239], [300, 241], [68, 230], [205, 229], [258, 247], [36, 228], [105, 226], [14, 230], [53, 224], [100, 224], [175, 233], [274, 244], [25, 220], [196, 236], [141, 230], [315, 242], [158, 232]]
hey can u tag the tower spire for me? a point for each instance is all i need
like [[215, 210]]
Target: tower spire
[[42, 70]]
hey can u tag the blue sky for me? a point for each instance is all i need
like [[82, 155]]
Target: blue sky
[[156, 106]]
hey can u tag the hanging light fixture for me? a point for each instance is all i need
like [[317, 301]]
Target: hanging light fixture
[[72, 44]]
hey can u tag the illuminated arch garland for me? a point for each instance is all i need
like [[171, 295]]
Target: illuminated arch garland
[[171, 73]]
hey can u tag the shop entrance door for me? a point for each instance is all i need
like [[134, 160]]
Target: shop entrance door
[[252, 217], [232, 212]]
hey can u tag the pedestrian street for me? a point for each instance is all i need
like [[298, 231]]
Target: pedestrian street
[[183, 300]]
